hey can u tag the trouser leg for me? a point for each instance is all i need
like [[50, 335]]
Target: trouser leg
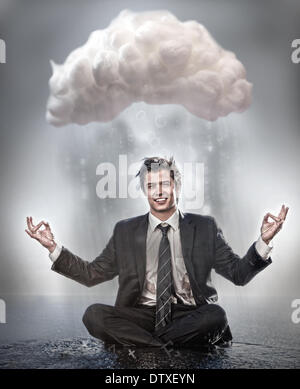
[[134, 326], [129, 326], [193, 326]]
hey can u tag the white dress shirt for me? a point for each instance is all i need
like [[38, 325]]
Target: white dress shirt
[[180, 276]]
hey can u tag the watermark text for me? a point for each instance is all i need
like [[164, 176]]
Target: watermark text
[[2, 51], [296, 312], [2, 312], [296, 53], [120, 182]]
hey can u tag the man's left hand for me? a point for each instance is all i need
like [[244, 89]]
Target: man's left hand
[[269, 229]]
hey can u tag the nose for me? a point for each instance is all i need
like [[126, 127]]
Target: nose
[[159, 194], [160, 189]]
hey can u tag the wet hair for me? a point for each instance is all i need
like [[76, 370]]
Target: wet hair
[[155, 164]]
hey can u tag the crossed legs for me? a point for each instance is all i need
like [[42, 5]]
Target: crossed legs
[[134, 326]]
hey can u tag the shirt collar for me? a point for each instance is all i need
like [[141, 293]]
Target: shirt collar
[[172, 221]]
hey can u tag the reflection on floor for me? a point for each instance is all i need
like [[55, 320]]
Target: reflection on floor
[[47, 331], [90, 353]]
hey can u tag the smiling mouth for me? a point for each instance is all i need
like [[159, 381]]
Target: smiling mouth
[[161, 200]]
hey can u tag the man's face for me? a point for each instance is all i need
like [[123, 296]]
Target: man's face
[[160, 190]]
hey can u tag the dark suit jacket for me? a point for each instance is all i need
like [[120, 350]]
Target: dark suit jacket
[[203, 247]]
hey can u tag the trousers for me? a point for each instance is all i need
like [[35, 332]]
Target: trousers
[[191, 326]]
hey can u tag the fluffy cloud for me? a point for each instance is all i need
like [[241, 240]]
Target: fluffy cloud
[[150, 57]]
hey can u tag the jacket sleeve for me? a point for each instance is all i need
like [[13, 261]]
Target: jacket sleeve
[[102, 268], [239, 270]]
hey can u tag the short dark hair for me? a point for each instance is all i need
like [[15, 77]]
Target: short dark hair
[[156, 164]]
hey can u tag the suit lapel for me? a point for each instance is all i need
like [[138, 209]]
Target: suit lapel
[[187, 231], [140, 239]]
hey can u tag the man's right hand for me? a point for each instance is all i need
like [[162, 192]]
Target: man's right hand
[[45, 236]]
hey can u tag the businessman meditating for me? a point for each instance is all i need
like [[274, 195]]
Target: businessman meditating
[[164, 261]]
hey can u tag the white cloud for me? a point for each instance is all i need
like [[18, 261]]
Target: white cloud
[[150, 57]]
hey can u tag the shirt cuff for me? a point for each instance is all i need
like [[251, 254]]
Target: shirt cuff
[[55, 254], [263, 249]]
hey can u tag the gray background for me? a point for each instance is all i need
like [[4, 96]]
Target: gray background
[[251, 159]]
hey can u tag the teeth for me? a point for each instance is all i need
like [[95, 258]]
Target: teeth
[[159, 200]]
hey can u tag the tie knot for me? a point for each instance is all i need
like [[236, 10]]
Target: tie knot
[[163, 229]]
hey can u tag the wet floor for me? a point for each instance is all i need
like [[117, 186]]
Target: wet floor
[[47, 332], [90, 353]]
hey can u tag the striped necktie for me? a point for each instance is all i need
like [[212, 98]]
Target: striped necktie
[[164, 281]]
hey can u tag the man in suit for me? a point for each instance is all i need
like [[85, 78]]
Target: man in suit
[[163, 260]]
